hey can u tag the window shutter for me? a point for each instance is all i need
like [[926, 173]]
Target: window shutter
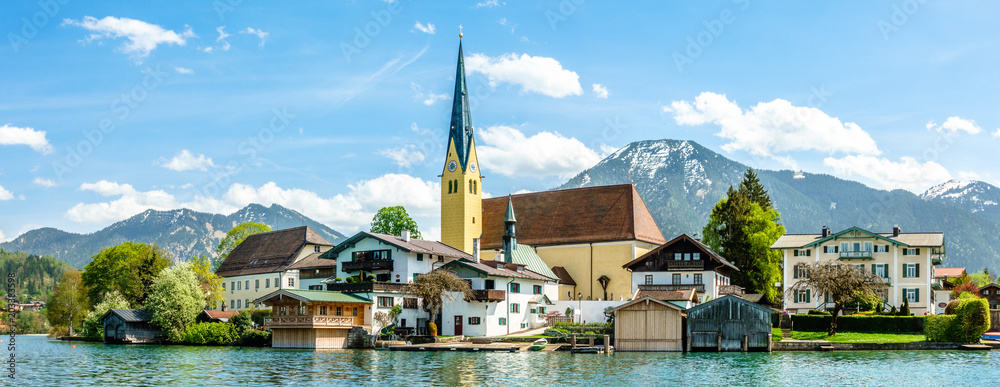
[[808, 297], [836, 249], [904, 271], [795, 271], [916, 295], [808, 253], [873, 269], [918, 251], [917, 270]]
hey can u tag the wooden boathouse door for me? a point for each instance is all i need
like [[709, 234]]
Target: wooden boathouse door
[[458, 325]]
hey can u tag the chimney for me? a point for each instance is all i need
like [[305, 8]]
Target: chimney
[[896, 230], [826, 231], [475, 250], [405, 235]]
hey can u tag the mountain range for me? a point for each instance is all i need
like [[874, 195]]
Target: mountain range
[[681, 181], [183, 233]]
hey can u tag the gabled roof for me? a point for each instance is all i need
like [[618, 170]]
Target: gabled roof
[[563, 275], [219, 314], [993, 285], [525, 255], [727, 298], [683, 237], [911, 239], [492, 268], [312, 261], [540, 299], [269, 252], [949, 272], [130, 315], [315, 296], [643, 299], [414, 245], [580, 215], [669, 295]]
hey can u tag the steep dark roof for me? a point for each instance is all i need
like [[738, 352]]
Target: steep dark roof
[[269, 252], [564, 277], [414, 245], [580, 215], [510, 270], [131, 315], [683, 237], [460, 131]]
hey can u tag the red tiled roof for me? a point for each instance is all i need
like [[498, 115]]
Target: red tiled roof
[[581, 215], [217, 314], [950, 272], [268, 252]]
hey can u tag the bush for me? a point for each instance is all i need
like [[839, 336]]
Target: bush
[[257, 316], [973, 316], [891, 324], [814, 312], [905, 310], [210, 333], [952, 305], [942, 328], [255, 338], [242, 322], [590, 324]]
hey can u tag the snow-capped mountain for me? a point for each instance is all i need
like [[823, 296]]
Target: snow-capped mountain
[[183, 233], [680, 182], [976, 197]]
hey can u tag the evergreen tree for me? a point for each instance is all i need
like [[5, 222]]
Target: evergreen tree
[[751, 187]]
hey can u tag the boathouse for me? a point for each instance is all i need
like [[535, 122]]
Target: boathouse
[[130, 326], [648, 325], [315, 319], [729, 324]]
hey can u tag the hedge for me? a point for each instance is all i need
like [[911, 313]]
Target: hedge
[[973, 318], [255, 338], [219, 333], [942, 328], [815, 323]]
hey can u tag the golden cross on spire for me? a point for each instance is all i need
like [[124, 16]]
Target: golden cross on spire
[[459, 31]]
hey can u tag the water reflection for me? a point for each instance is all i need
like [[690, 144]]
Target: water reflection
[[45, 362]]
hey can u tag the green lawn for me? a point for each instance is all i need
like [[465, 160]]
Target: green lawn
[[775, 334], [860, 337]]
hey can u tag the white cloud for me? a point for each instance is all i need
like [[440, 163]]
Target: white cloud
[[12, 135], [489, 4], [3, 238], [142, 37], [433, 98], [207, 49], [908, 173], [533, 73], [48, 183], [186, 161], [600, 91], [404, 156], [523, 191], [503, 21], [222, 33], [968, 175], [509, 152], [183, 70], [427, 29], [956, 124], [997, 133], [108, 188], [773, 127], [260, 34], [5, 194], [130, 202]]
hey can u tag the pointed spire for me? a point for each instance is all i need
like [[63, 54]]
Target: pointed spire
[[460, 131], [509, 234], [510, 211]]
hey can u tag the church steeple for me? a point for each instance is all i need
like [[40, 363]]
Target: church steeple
[[461, 119], [509, 234]]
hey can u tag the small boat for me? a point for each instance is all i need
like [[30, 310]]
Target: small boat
[[539, 344]]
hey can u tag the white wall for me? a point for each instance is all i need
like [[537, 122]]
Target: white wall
[[592, 311], [404, 264]]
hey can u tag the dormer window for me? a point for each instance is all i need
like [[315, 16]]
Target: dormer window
[[315, 249]]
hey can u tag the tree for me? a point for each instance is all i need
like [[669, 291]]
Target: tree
[[436, 287], [92, 324], [68, 304], [981, 278], [840, 283], [393, 220], [210, 283], [742, 228], [175, 300], [129, 268], [242, 322], [234, 237], [965, 288]]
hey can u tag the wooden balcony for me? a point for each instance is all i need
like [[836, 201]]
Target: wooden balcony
[[855, 255], [685, 265], [489, 295], [308, 322], [731, 289], [367, 265], [697, 287], [367, 287]]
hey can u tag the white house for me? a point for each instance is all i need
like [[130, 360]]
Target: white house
[[904, 260], [269, 261], [680, 264], [394, 261]]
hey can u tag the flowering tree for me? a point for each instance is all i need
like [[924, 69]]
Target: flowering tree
[[842, 283]]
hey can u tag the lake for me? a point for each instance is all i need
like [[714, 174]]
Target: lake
[[45, 362]]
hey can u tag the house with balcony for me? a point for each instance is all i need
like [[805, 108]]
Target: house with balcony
[[904, 260], [314, 319], [680, 264], [382, 265], [270, 261]]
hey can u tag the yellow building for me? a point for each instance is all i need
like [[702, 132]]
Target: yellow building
[[461, 200]]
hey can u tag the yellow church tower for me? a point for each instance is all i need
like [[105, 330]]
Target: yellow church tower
[[461, 183]]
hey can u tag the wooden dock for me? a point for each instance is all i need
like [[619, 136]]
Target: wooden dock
[[466, 346]]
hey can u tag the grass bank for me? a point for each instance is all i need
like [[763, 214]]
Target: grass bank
[[860, 337]]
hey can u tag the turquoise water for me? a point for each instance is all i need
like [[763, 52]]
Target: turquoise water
[[44, 362]]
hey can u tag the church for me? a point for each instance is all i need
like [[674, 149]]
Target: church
[[584, 236]]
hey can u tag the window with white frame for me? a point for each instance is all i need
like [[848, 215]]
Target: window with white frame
[[239, 304], [267, 283], [912, 295], [881, 270], [802, 296], [315, 249], [223, 286], [831, 249], [911, 251], [844, 246], [911, 270], [802, 253], [291, 282], [800, 271], [256, 284], [277, 283], [248, 285], [384, 302]]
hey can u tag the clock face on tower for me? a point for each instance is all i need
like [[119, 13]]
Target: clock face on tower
[[473, 166], [452, 166]]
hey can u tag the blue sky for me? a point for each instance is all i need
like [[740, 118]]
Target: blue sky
[[336, 109]]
